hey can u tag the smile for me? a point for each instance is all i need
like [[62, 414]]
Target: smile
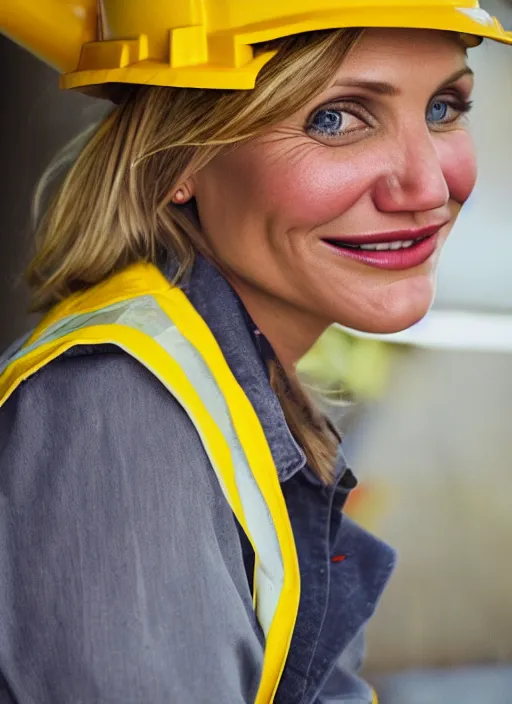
[[383, 246], [392, 250]]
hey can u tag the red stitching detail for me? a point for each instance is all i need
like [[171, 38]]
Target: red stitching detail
[[338, 558]]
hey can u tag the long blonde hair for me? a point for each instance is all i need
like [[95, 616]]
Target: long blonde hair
[[114, 206]]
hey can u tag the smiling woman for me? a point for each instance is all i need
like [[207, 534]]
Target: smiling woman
[[380, 158], [174, 529]]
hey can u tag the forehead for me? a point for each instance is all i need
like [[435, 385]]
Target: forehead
[[384, 54]]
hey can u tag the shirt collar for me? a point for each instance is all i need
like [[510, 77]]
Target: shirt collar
[[224, 313]]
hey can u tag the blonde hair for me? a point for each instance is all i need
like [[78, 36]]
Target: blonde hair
[[114, 206]]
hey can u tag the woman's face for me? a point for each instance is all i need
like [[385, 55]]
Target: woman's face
[[339, 213]]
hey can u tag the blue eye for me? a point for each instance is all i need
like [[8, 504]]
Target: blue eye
[[337, 122], [327, 121], [438, 111]]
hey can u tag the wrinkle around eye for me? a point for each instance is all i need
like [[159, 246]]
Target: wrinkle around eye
[[289, 143], [296, 153]]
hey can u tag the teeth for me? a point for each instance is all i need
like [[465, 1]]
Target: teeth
[[383, 246]]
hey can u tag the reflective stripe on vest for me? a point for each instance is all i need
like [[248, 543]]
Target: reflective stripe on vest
[[140, 312]]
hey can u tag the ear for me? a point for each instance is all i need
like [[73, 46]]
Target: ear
[[183, 193]]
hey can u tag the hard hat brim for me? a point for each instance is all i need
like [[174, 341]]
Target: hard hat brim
[[473, 25]]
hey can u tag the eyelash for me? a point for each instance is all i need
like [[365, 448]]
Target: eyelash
[[456, 102]]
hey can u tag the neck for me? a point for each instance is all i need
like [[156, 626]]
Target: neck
[[291, 332]]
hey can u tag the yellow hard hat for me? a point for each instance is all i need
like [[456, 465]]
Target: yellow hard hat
[[206, 43]]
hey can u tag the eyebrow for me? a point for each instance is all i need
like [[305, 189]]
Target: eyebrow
[[382, 88]]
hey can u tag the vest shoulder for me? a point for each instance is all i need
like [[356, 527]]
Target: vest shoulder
[[104, 400], [100, 377]]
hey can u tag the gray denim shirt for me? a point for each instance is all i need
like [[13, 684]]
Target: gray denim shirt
[[124, 578]]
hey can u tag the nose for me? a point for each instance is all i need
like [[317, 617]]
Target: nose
[[414, 180]]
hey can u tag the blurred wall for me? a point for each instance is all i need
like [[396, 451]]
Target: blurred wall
[[436, 457]]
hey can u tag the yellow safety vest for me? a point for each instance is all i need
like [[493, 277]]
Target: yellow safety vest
[[140, 312]]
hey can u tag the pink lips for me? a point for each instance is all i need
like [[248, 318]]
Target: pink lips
[[425, 244]]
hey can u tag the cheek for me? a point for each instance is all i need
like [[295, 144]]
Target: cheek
[[316, 190], [458, 162]]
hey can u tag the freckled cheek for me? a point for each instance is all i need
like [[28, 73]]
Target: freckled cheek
[[458, 162], [317, 193]]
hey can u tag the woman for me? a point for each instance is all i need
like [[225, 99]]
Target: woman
[[171, 525]]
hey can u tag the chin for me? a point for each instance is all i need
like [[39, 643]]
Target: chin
[[394, 324], [402, 305]]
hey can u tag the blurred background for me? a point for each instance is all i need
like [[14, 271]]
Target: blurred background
[[427, 413]]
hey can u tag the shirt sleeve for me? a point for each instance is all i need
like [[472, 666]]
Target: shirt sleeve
[[121, 574]]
